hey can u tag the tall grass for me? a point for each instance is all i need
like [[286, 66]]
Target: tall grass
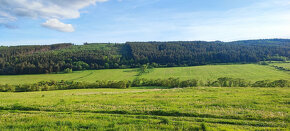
[[198, 108]]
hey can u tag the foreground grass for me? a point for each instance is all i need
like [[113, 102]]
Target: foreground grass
[[147, 109], [249, 72]]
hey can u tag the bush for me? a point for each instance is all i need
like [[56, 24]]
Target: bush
[[263, 63], [263, 83], [280, 83], [229, 82], [7, 88], [189, 83], [170, 82], [67, 70]]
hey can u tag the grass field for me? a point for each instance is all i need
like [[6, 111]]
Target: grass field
[[250, 72], [147, 109]]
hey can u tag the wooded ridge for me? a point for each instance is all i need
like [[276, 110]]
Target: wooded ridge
[[41, 59]]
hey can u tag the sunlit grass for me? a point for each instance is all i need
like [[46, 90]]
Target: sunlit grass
[[147, 109], [250, 72]]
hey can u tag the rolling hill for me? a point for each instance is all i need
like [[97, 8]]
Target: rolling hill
[[250, 72]]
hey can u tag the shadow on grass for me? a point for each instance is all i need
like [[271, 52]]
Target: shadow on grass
[[227, 119], [19, 107]]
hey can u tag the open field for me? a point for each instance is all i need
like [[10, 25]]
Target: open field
[[250, 72], [150, 108], [147, 109], [87, 75]]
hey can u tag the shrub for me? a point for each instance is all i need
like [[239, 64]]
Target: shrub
[[263, 63], [170, 82], [189, 83], [280, 83], [67, 70], [229, 82], [263, 83], [7, 88]]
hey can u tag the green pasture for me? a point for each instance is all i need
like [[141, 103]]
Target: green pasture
[[250, 72], [147, 109]]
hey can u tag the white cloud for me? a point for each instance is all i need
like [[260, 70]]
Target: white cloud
[[57, 25], [5, 17], [64, 9], [44, 9]]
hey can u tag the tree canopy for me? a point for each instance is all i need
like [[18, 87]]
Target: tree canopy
[[59, 57]]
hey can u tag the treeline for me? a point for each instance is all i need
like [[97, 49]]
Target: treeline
[[202, 53], [84, 57], [220, 82], [61, 57], [6, 52], [62, 85], [170, 82]]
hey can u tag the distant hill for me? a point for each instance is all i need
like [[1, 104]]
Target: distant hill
[[56, 58]]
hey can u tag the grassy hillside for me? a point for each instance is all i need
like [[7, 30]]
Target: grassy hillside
[[147, 109], [88, 76], [251, 72]]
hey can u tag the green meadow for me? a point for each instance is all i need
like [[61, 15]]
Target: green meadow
[[250, 72], [199, 108], [150, 108]]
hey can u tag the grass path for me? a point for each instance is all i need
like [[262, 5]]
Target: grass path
[[86, 75]]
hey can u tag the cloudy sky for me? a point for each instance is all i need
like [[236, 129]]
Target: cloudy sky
[[79, 21]]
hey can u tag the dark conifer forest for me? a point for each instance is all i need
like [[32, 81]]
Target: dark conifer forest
[[65, 57]]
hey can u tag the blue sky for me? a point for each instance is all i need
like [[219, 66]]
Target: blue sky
[[78, 21]]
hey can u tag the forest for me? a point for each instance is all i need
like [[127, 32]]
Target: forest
[[67, 57]]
